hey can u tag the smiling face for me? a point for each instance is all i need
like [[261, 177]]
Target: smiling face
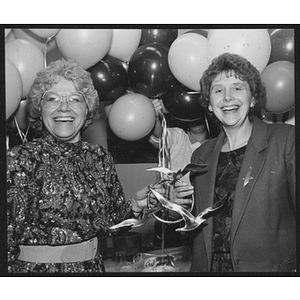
[[64, 122], [230, 99]]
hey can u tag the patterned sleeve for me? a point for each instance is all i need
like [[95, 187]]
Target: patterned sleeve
[[154, 140], [176, 137], [118, 207], [16, 201]]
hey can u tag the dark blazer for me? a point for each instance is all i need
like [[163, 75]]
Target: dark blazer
[[263, 232]]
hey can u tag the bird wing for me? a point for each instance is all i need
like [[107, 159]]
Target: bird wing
[[214, 207], [188, 168], [137, 222], [188, 218], [163, 170], [130, 222]]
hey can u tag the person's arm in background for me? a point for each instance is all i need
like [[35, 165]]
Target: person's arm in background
[[157, 129]]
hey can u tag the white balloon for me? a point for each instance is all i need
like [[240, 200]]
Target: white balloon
[[252, 44], [188, 59], [124, 43], [86, 46], [6, 31], [28, 58], [29, 36], [44, 32]]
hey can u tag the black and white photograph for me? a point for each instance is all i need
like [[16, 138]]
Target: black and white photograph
[[149, 151]]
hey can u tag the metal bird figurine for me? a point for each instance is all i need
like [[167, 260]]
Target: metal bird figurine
[[174, 176], [133, 223], [191, 222]]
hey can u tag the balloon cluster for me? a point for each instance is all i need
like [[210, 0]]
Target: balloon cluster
[[143, 64]]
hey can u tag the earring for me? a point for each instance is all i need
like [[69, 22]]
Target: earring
[[253, 102], [210, 108]]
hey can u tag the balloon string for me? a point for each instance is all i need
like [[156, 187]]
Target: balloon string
[[21, 134], [164, 153], [45, 48], [163, 161], [7, 142], [207, 126]]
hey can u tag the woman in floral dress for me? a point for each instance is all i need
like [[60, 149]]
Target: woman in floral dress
[[63, 192]]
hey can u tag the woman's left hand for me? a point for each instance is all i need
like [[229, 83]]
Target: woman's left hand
[[139, 201], [182, 193]]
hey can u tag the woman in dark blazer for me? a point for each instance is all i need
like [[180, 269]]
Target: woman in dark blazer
[[252, 162]]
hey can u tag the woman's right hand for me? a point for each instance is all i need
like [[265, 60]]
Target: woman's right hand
[[157, 103]]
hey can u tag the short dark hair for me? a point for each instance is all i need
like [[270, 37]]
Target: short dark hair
[[242, 68]]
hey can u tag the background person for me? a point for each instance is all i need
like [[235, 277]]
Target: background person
[[181, 142]]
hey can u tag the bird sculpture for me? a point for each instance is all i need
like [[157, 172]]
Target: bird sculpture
[[172, 176], [133, 223], [191, 222]]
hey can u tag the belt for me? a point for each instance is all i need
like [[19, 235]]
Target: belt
[[59, 254]]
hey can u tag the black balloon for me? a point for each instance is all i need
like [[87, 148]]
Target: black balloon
[[148, 71], [110, 78], [282, 45], [198, 31], [162, 36], [183, 104]]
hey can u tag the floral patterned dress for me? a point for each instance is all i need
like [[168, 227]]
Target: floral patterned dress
[[229, 166], [60, 193]]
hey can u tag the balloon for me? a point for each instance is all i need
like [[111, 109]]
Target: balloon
[[86, 46], [203, 32], [97, 131], [107, 106], [124, 43], [43, 32], [278, 78], [211, 32], [21, 116], [13, 87], [282, 42], [162, 36], [10, 37], [6, 32], [53, 55], [27, 58], [29, 36], [183, 31], [183, 103], [188, 59], [110, 78], [252, 44], [148, 71], [132, 117]]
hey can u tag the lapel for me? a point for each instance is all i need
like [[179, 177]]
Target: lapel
[[206, 186], [210, 157], [251, 167]]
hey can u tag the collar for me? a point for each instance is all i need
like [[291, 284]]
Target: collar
[[54, 142]]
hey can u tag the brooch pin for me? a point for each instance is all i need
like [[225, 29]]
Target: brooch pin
[[248, 177]]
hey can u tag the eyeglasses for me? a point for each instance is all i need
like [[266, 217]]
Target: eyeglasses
[[75, 100]]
